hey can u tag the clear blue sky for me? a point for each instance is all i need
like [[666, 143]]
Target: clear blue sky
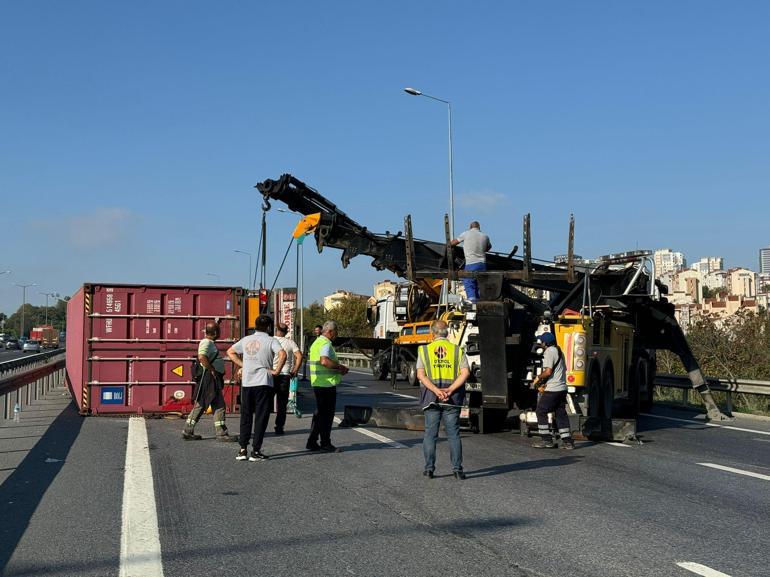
[[131, 133]]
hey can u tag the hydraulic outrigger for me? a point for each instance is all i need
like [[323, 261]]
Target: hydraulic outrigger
[[619, 291]]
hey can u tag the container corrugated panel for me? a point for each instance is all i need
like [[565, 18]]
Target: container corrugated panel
[[130, 348]]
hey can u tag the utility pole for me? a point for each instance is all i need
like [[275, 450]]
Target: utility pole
[[23, 288]]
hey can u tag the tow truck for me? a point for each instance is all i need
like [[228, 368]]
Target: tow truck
[[609, 318]]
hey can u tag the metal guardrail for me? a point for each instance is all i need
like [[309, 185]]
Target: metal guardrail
[[728, 386], [355, 360], [29, 380]]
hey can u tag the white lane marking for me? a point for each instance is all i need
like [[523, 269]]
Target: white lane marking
[[614, 444], [140, 554], [736, 471], [373, 435], [699, 569], [706, 424], [369, 374], [403, 396]]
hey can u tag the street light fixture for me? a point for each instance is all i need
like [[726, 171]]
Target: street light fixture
[[23, 288], [415, 92], [249, 283], [52, 295], [214, 275]]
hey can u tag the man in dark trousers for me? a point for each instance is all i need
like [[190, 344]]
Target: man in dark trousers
[[209, 390], [282, 381], [325, 374], [553, 396], [255, 355]]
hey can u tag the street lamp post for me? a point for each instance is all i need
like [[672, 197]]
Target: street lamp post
[[214, 275], [23, 288], [52, 295], [415, 92], [249, 284]]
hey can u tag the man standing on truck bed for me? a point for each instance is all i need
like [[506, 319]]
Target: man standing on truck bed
[[210, 384], [475, 246], [553, 396], [442, 369], [256, 356]]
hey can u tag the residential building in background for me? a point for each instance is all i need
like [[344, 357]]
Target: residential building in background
[[708, 264], [667, 260], [335, 299], [742, 282], [764, 260]]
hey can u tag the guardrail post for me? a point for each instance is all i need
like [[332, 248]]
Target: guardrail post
[[685, 396], [729, 402]]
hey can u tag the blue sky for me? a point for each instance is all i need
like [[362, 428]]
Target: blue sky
[[131, 134]]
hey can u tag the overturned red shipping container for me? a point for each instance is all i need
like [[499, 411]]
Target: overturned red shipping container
[[130, 348]]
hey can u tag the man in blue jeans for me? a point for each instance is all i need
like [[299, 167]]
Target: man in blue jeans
[[475, 247], [442, 369]]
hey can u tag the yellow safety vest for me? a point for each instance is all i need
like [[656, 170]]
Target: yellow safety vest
[[441, 360], [320, 376]]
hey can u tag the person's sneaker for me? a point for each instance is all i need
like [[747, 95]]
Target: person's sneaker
[[543, 444], [190, 436], [257, 456], [227, 438], [313, 446], [242, 455], [278, 431], [459, 475], [428, 474], [329, 449], [567, 444]]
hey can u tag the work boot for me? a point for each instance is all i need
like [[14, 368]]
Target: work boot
[[189, 435], [567, 444], [224, 436], [428, 474], [542, 443], [459, 475]]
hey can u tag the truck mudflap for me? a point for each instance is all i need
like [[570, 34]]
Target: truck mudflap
[[582, 427]]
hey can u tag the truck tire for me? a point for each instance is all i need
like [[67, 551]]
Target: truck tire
[[595, 392], [411, 374], [379, 369]]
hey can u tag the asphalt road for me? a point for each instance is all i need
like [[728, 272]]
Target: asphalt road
[[685, 495], [10, 355]]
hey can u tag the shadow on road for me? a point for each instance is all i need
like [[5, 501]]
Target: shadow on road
[[23, 490], [522, 466]]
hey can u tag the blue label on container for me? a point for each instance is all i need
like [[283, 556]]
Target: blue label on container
[[112, 395]]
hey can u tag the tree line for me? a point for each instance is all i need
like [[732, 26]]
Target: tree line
[[35, 316]]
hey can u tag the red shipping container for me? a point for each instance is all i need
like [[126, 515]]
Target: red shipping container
[[130, 348]]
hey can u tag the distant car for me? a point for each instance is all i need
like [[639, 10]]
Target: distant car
[[23, 340], [31, 347], [12, 344]]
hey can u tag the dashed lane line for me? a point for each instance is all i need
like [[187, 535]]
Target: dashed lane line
[[706, 424], [736, 471], [614, 444], [373, 435], [140, 554], [699, 569]]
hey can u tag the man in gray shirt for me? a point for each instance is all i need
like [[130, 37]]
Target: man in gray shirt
[[260, 358], [475, 246], [553, 396]]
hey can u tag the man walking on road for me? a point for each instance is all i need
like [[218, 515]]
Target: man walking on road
[[475, 246], [442, 369], [259, 357], [209, 390], [553, 396], [325, 374], [282, 381]]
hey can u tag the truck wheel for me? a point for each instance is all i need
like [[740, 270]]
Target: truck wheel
[[608, 390], [411, 374], [595, 393], [379, 369]]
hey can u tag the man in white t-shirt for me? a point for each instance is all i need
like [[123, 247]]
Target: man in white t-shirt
[[282, 381], [259, 357]]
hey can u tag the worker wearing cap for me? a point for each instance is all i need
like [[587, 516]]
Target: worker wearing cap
[[553, 396], [442, 369]]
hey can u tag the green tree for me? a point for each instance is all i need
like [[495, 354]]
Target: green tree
[[36, 316], [350, 316]]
